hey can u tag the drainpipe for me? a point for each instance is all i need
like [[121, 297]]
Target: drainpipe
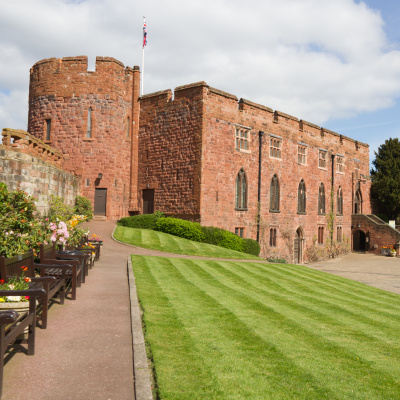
[[333, 189], [260, 135]]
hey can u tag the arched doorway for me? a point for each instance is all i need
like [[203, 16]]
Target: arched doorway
[[359, 242], [358, 202], [298, 246]]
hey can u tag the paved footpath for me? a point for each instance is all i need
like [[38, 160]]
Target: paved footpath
[[373, 270], [86, 351]]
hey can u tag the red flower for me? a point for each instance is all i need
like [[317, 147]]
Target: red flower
[[24, 268], [27, 297], [1, 281]]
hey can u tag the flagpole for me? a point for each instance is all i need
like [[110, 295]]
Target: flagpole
[[144, 45], [142, 74]]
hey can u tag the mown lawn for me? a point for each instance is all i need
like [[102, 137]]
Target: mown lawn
[[237, 330], [172, 244]]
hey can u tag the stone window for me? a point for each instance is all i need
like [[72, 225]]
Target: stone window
[[89, 124], [322, 158], [339, 201], [241, 190], [274, 194], [48, 130], [272, 237], [301, 154], [239, 232], [339, 234], [340, 164], [242, 137], [87, 182], [321, 199], [320, 235], [301, 198], [275, 147], [128, 127]]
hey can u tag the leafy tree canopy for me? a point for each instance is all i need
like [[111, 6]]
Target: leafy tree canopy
[[385, 176]]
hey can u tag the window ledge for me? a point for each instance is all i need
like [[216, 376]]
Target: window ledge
[[321, 213], [88, 139], [243, 151], [275, 211], [241, 209], [301, 213]]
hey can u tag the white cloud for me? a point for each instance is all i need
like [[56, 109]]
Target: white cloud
[[315, 59]]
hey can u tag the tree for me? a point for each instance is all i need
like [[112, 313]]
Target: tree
[[386, 177]]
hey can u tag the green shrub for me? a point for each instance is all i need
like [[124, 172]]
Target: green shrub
[[213, 235], [60, 210], [83, 206], [277, 260], [20, 228], [181, 228], [223, 238], [251, 246], [144, 221]]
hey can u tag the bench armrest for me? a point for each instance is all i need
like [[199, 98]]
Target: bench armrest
[[8, 317]]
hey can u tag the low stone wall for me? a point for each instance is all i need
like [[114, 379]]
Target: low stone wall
[[35, 176]]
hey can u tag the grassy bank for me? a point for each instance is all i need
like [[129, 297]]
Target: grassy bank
[[154, 240], [236, 330]]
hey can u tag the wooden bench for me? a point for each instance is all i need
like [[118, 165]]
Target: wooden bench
[[76, 273], [13, 324], [52, 284]]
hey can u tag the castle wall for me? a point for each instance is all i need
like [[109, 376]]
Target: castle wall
[[64, 92], [30, 165], [222, 162], [170, 149]]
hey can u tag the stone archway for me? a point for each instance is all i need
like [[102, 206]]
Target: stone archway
[[298, 246], [359, 241]]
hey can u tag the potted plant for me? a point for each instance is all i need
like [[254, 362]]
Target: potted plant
[[393, 253]]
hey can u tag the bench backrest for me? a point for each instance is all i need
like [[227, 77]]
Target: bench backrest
[[13, 266], [47, 251]]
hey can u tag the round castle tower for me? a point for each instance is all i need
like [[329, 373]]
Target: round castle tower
[[92, 117]]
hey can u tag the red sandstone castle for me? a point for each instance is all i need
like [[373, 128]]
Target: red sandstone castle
[[200, 154]]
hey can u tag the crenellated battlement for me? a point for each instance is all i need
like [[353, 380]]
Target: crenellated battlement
[[227, 106], [70, 77], [78, 64]]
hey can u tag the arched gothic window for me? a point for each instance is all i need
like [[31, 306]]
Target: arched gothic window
[[89, 123], [274, 194], [241, 190], [339, 201], [358, 203], [321, 199], [301, 197]]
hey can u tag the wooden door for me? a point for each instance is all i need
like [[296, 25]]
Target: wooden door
[[148, 201], [100, 201]]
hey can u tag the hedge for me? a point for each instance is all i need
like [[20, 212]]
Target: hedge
[[251, 246], [181, 228], [223, 238], [144, 221]]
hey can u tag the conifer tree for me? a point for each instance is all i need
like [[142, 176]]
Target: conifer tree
[[385, 176]]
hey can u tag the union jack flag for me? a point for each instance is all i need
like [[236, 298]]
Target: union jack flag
[[144, 33]]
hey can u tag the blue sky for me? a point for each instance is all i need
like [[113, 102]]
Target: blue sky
[[375, 127], [335, 63]]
